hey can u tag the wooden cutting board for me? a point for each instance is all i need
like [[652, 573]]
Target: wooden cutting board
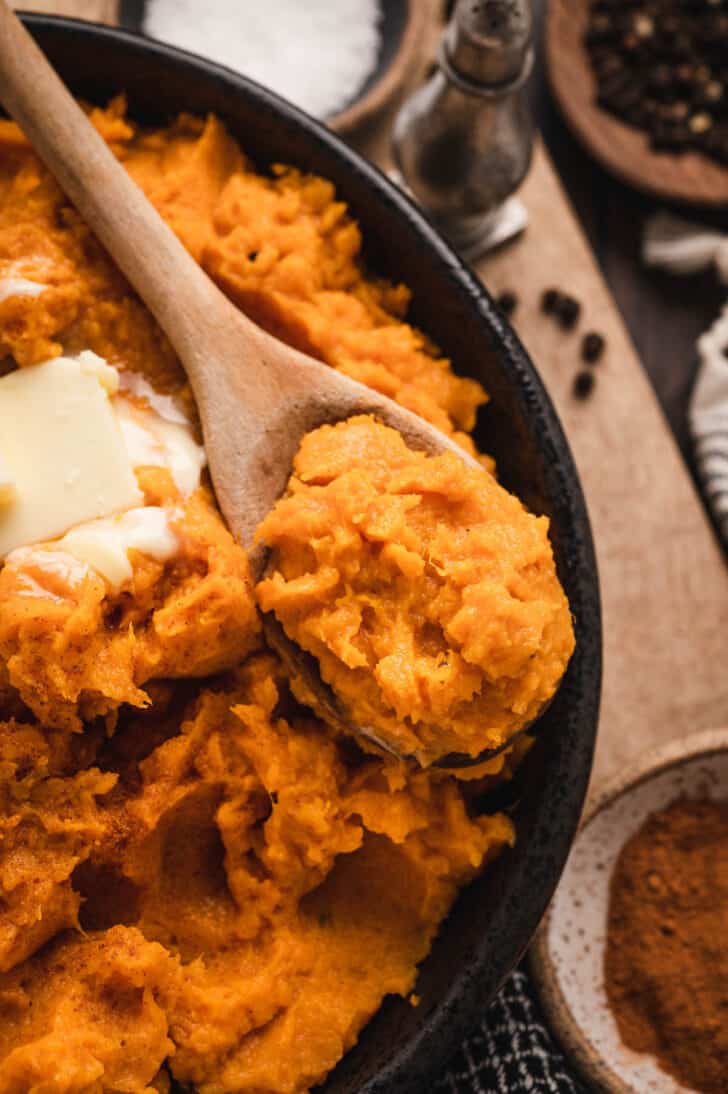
[[664, 580]]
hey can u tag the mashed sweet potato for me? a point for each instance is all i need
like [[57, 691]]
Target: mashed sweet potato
[[75, 652], [198, 880], [424, 589], [247, 898]]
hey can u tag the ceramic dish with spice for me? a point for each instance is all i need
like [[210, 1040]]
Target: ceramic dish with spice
[[631, 960], [214, 855]]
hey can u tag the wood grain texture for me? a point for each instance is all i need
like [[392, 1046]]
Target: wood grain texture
[[690, 177], [96, 11]]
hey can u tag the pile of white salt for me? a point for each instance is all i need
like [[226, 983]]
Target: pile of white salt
[[316, 53]]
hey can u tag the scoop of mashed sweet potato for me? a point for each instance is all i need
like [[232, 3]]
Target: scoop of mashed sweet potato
[[425, 590]]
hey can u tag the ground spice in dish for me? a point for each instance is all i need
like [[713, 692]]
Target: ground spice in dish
[[666, 961]]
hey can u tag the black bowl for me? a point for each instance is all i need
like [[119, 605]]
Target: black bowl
[[403, 1048]]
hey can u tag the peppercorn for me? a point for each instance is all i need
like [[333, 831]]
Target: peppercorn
[[507, 302], [592, 347], [583, 384], [660, 65], [549, 301], [700, 123], [568, 310]]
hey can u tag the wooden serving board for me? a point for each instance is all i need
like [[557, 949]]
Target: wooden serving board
[[664, 580], [96, 11]]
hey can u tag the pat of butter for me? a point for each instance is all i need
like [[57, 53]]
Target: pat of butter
[[62, 445], [103, 544]]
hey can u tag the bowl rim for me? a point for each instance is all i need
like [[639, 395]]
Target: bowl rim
[[647, 766], [520, 904]]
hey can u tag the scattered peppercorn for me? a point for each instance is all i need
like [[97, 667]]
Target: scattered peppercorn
[[549, 300], [583, 384], [592, 347], [662, 66], [568, 310], [507, 302]]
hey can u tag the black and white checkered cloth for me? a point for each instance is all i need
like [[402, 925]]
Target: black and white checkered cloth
[[511, 1051]]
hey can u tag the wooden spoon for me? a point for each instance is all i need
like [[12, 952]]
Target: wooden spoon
[[256, 396]]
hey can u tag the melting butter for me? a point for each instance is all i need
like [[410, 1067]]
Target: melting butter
[[154, 440], [103, 545], [62, 449], [166, 406], [19, 286]]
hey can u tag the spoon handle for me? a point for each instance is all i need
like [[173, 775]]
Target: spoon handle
[[181, 296]]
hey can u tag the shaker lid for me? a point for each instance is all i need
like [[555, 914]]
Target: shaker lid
[[487, 41]]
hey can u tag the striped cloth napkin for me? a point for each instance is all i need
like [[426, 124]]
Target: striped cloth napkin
[[682, 247]]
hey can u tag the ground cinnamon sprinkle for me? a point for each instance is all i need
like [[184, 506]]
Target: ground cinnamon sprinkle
[[666, 961]]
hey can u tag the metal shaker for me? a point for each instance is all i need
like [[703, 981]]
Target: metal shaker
[[462, 142]]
